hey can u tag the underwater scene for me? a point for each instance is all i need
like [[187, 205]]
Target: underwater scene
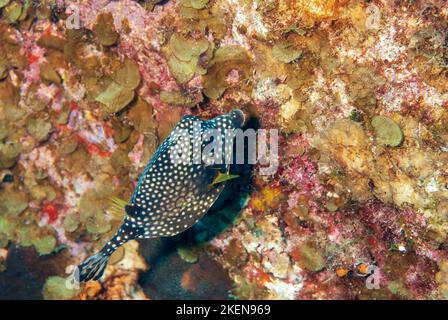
[[224, 149]]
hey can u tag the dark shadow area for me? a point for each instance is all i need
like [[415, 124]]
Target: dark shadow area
[[169, 276], [155, 2], [26, 272]]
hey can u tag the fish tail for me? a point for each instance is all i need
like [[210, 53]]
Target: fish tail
[[93, 267]]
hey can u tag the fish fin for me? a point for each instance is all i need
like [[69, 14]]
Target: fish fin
[[118, 202], [223, 177], [133, 210], [117, 206], [215, 166], [92, 268]]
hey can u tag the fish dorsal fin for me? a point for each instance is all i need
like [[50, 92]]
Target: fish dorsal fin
[[133, 210]]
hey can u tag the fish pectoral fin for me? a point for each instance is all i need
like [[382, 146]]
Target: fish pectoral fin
[[133, 210], [223, 177], [117, 206], [117, 201], [215, 166]]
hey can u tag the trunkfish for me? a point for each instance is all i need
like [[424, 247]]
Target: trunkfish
[[171, 196]]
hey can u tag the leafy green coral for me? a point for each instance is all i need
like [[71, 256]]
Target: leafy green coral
[[3, 3], [43, 11], [183, 56], [71, 222], [286, 52], [117, 91], [104, 29], [185, 48], [38, 128], [48, 73], [226, 59], [4, 66], [175, 98], [9, 154], [187, 254], [56, 288], [44, 244], [198, 4], [50, 41], [398, 288], [387, 131], [92, 214], [311, 257], [182, 71], [442, 279], [7, 229], [25, 235], [98, 224], [13, 203], [115, 97], [13, 11], [128, 75]]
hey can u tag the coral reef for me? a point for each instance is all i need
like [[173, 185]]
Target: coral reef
[[357, 89]]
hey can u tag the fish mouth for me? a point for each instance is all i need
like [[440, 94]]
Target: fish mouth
[[237, 117]]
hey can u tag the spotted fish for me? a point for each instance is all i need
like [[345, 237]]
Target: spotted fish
[[170, 197]]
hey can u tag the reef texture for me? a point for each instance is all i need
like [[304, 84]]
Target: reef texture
[[357, 89]]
